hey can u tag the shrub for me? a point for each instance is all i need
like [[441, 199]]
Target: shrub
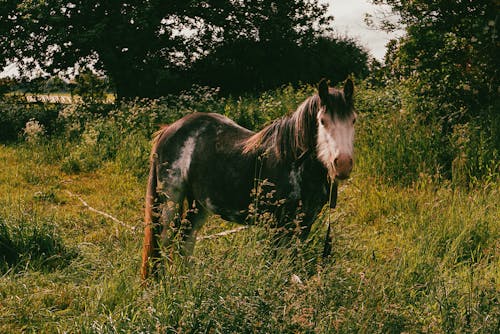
[[14, 116], [33, 131], [98, 142], [90, 87], [399, 142], [393, 143]]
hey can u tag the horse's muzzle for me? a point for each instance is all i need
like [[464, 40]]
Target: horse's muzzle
[[343, 164]]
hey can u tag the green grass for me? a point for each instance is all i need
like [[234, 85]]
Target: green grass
[[412, 252], [423, 258]]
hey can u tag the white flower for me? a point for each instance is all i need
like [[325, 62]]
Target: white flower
[[33, 131]]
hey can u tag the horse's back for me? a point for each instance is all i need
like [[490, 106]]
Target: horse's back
[[200, 156], [198, 124]]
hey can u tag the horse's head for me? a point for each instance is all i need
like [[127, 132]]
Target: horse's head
[[336, 119]]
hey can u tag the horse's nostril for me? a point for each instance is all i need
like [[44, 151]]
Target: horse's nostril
[[336, 162]]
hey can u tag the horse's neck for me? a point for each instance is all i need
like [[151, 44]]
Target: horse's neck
[[288, 138]]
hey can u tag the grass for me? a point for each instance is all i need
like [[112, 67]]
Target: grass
[[412, 252], [423, 258]]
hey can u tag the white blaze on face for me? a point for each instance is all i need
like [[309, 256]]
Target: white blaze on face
[[335, 138]]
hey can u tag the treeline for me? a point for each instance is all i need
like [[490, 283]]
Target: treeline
[[239, 68], [152, 48]]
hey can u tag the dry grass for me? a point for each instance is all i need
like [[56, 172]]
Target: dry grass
[[412, 252], [417, 259]]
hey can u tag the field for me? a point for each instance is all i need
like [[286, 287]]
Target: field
[[64, 98], [412, 251]]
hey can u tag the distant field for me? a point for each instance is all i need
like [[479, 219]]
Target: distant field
[[64, 98]]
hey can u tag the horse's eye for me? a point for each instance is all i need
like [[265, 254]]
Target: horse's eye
[[322, 122], [353, 120]]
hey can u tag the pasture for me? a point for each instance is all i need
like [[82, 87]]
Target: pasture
[[412, 251]]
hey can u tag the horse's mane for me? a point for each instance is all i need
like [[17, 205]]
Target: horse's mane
[[289, 137]]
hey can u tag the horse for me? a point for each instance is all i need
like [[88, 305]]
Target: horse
[[205, 163]]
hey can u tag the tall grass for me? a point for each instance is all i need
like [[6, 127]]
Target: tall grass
[[412, 252]]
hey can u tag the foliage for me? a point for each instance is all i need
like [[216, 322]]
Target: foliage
[[249, 65], [55, 84], [449, 55], [33, 131], [142, 45], [393, 143], [449, 60], [90, 88], [6, 86], [405, 258], [15, 115], [31, 243]]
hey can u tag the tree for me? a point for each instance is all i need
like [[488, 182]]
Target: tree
[[449, 53], [449, 60], [144, 45], [245, 66], [281, 47], [90, 87]]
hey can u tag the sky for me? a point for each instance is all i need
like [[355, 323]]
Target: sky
[[348, 20]]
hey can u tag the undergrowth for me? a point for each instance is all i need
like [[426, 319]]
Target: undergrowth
[[413, 250]]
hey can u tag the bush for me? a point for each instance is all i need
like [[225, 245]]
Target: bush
[[448, 61], [399, 142], [98, 143], [90, 87], [391, 142], [476, 155], [14, 116]]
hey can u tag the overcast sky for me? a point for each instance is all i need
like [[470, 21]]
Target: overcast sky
[[348, 20]]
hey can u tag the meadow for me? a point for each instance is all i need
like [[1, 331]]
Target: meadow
[[414, 250]]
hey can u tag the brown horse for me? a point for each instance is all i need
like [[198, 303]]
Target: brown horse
[[205, 163]]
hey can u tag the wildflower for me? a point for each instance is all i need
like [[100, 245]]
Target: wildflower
[[33, 131]]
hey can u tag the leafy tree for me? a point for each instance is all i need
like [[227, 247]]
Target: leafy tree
[[283, 45], [144, 46], [450, 53], [90, 87], [55, 84], [253, 65], [6, 86], [449, 59]]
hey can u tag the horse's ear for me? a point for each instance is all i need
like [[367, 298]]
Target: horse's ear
[[323, 90], [348, 90]]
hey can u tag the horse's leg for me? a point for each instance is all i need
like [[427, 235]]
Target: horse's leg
[[194, 219], [171, 219], [180, 222]]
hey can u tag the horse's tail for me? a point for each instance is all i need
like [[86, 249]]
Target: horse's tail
[[150, 245]]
